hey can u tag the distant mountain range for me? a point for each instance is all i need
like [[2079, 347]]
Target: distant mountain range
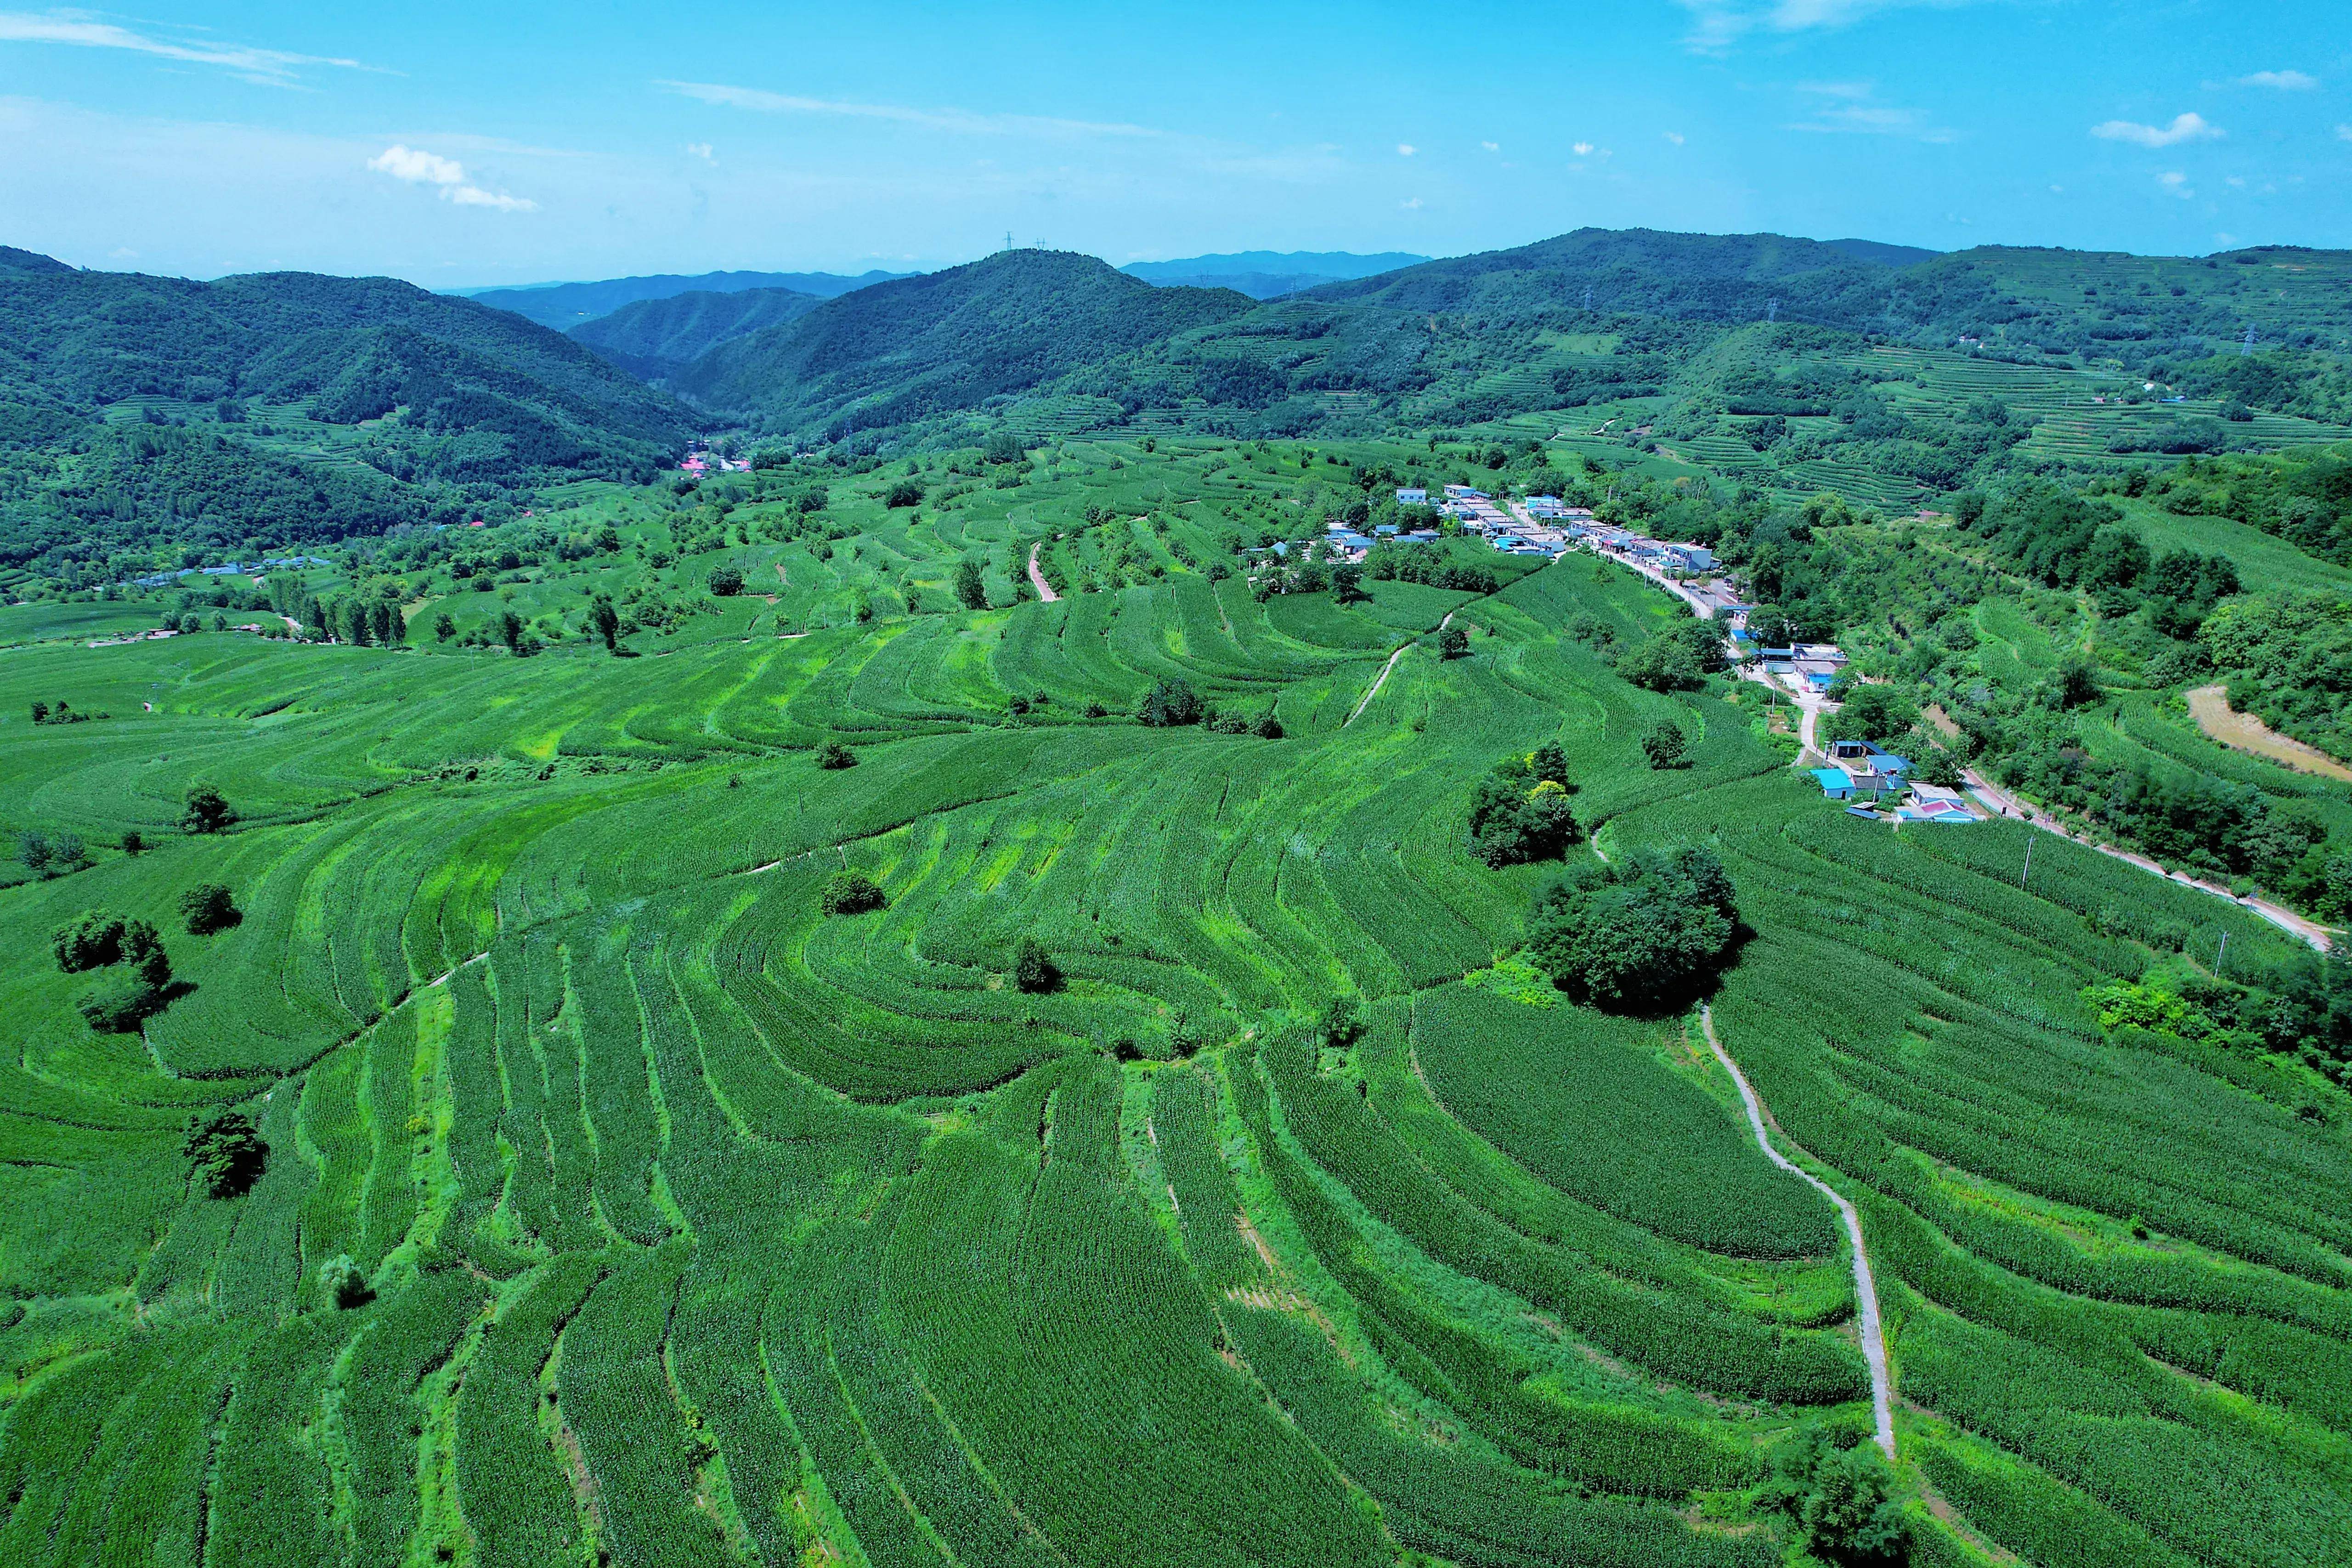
[[653, 339], [563, 306], [1268, 274]]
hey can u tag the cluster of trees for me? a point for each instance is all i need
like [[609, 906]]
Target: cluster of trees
[[1679, 658], [2223, 828], [1423, 564], [2288, 657], [1520, 810], [93, 941], [1649, 930]]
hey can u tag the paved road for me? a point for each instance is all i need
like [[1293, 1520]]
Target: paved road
[[1037, 578], [1866, 1291], [2002, 802]]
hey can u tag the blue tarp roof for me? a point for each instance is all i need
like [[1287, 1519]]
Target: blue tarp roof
[[1834, 779]]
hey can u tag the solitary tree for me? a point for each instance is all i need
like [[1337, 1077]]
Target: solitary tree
[[833, 755], [726, 581], [443, 627], [224, 1153], [341, 1282], [206, 811], [970, 591], [850, 893], [1663, 746], [208, 908], [1031, 970], [1453, 642], [604, 621]]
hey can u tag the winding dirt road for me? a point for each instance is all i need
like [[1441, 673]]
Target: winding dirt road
[[1866, 1291], [1383, 681]]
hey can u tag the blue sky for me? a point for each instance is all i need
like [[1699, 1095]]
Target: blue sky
[[486, 143]]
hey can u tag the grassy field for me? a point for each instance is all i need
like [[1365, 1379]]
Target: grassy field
[[699, 1227]]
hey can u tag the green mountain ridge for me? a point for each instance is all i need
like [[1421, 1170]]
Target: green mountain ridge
[[563, 306], [653, 338], [945, 342]]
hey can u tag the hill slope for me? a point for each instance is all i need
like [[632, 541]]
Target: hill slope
[[946, 341], [653, 338], [563, 306]]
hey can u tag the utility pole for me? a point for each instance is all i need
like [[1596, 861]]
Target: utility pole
[[2029, 865], [2220, 955]]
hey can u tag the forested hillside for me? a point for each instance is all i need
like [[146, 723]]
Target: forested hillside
[[653, 338], [285, 406]]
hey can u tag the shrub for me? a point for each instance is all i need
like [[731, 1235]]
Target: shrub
[[224, 1153], [1170, 703], [1339, 1025], [726, 581], [341, 1282], [47, 855], [1031, 970], [904, 493], [207, 811], [1648, 930], [851, 893], [89, 940], [134, 843], [1268, 727], [1839, 1501], [1453, 642], [207, 908], [833, 755]]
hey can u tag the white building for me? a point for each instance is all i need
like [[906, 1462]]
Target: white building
[[1415, 497]]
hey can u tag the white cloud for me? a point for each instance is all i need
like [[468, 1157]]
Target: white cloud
[[963, 121], [700, 149], [2285, 81], [1852, 106], [1411, 203], [2057, 190], [1406, 149], [2227, 241], [1674, 136], [271, 67], [2184, 128], [415, 166], [2344, 133], [1492, 146], [2176, 182], [1718, 24], [1583, 149]]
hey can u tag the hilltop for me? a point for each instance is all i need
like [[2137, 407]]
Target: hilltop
[[945, 341]]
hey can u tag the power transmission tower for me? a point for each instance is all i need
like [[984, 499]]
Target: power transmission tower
[[1588, 296], [2248, 346], [1008, 239], [1772, 311]]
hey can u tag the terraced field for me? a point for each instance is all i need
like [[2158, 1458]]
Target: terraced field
[[697, 1226]]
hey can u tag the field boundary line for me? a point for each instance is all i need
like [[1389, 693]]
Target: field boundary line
[[1873, 1341]]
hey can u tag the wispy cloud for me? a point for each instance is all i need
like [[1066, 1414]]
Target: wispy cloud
[[415, 166], [1852, 107], [1406, 149], [2184, 128], [962, 121], [2176, 182], [2344, 133], [2285, 81], [1492, 146], [1583, 149], [1718, 24], [701, 149], [1411, 203], [269, 67], [1674, 136]]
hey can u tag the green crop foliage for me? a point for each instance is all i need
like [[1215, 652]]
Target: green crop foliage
[[558, 1149]]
